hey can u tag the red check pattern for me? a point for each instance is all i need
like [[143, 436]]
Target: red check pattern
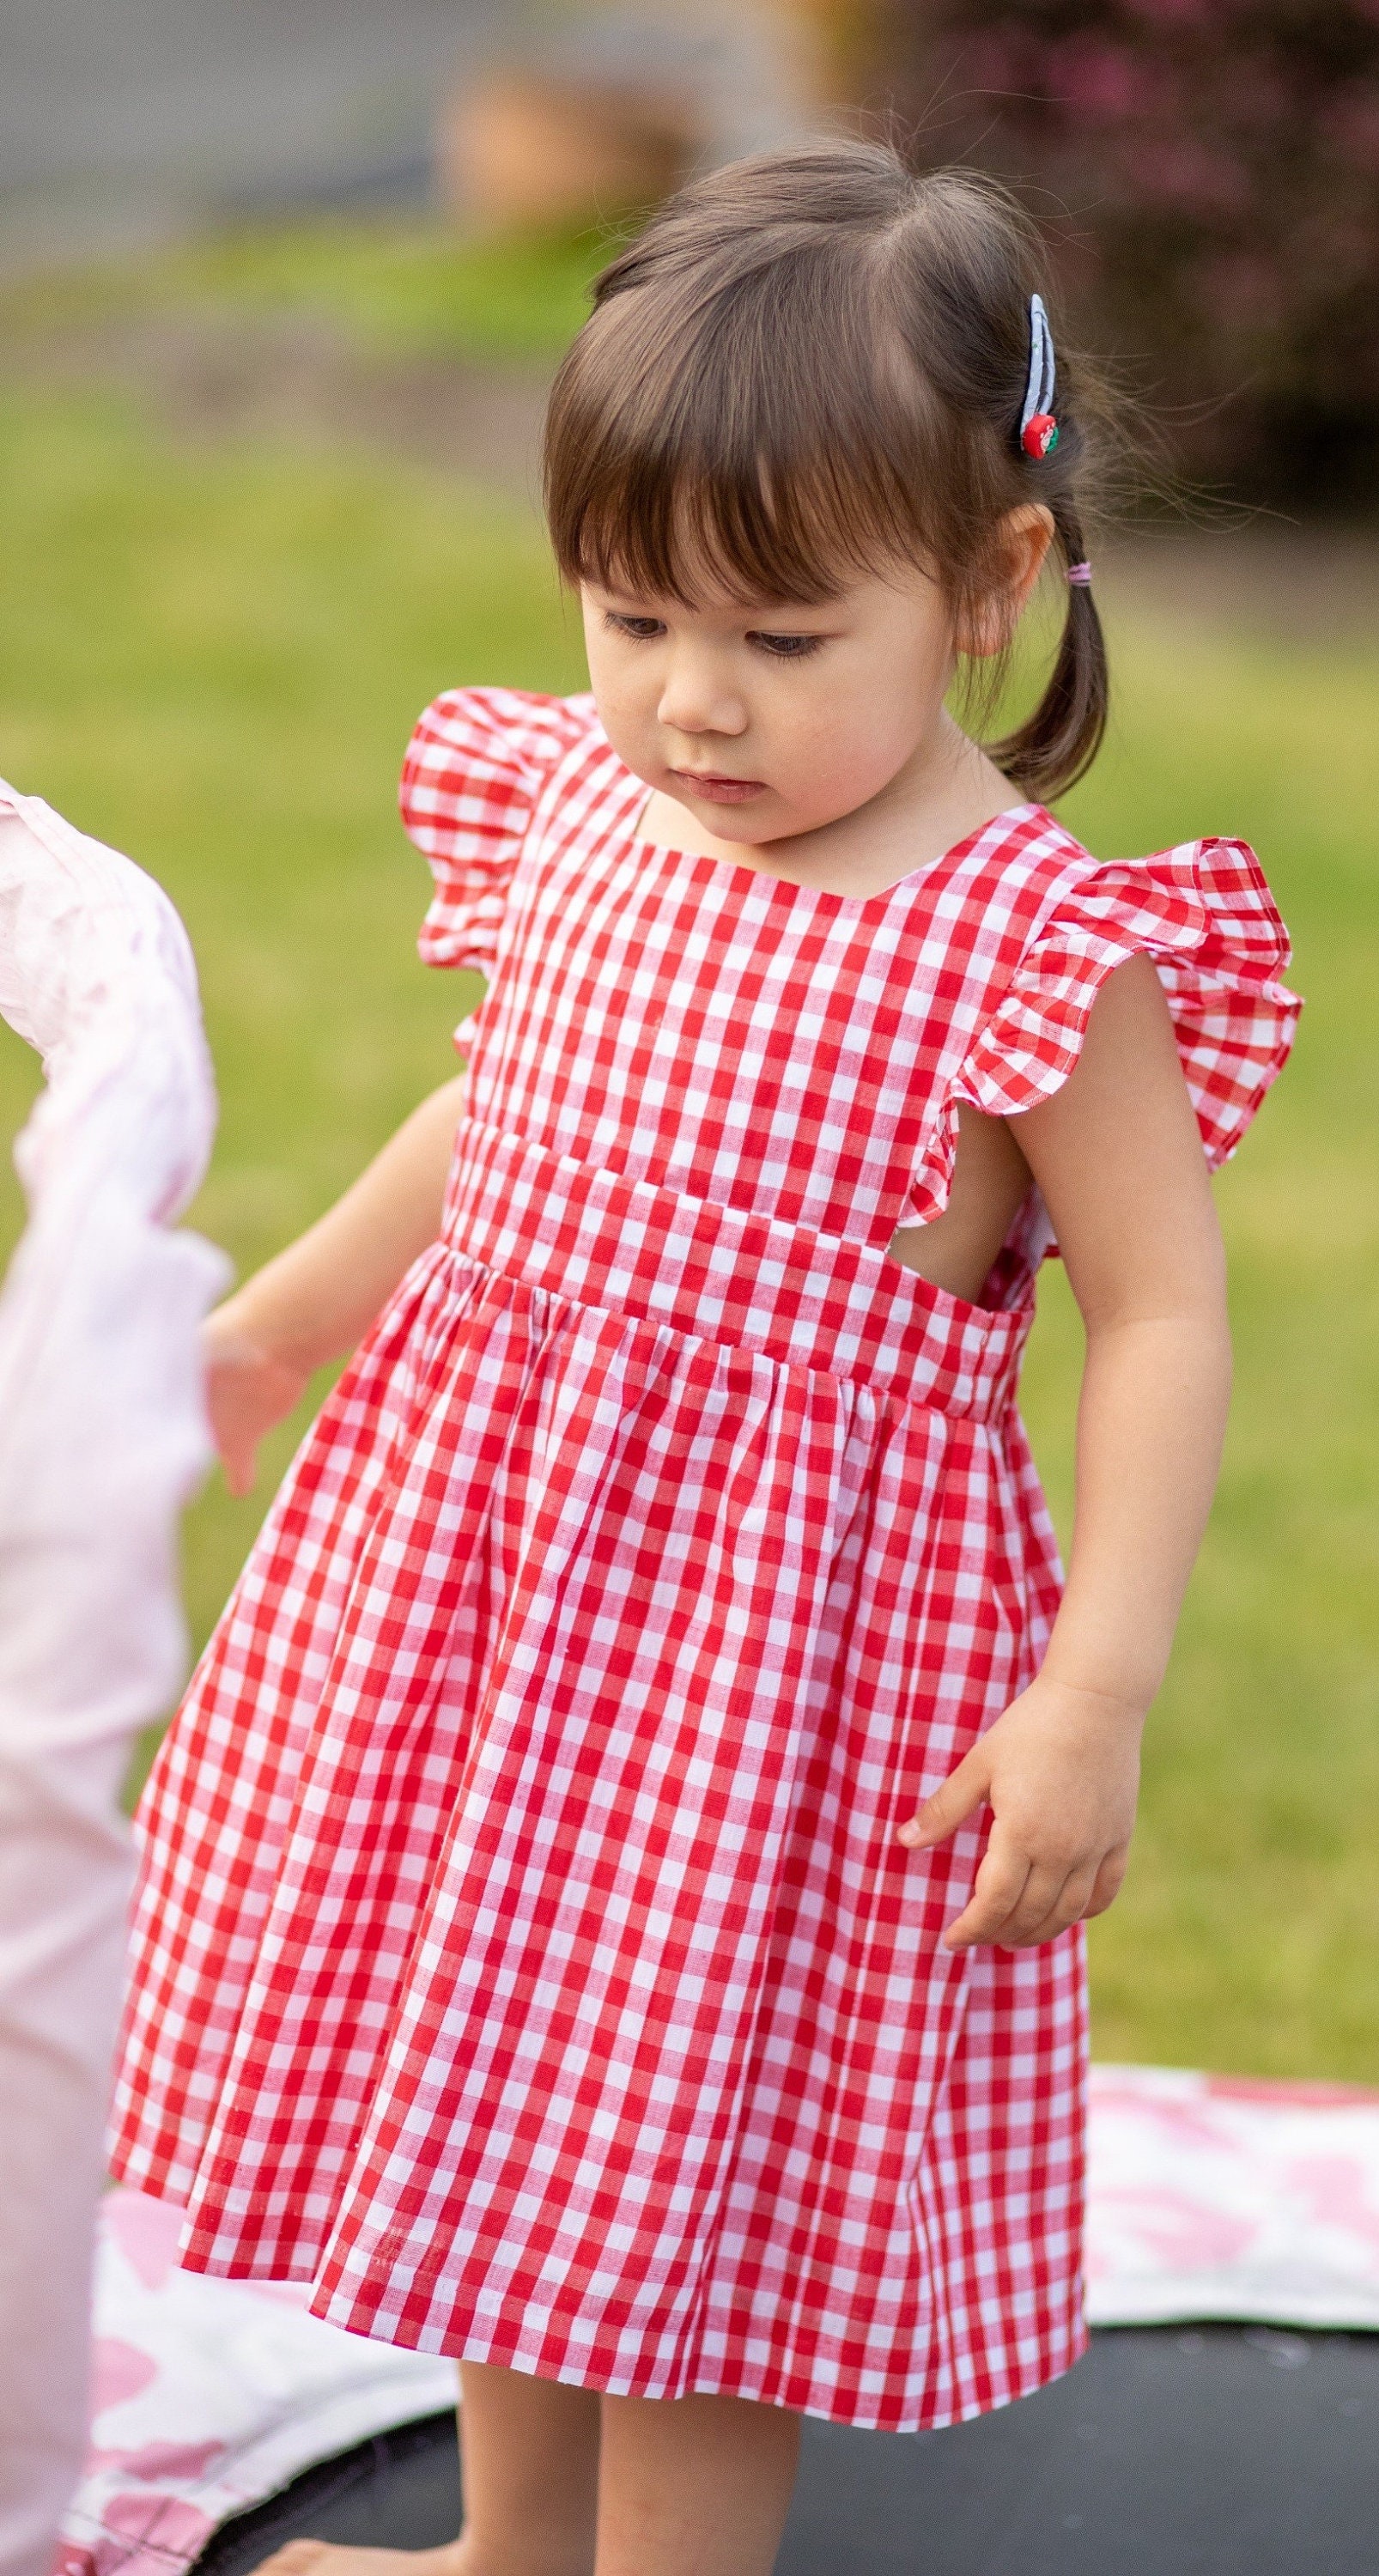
[[523, 1953]]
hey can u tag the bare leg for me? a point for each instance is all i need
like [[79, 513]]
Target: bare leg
[[693, 2486], [531, 2476], [531, 2455], [559, 2482]]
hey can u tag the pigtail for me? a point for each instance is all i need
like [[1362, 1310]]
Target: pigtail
[[1060, 738]]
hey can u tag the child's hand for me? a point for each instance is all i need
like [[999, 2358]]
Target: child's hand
[[248, 1390], [1060, 1772]]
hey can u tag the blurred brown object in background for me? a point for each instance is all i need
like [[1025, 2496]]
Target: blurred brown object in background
[[847, 44], [529, 148], [613, 111]]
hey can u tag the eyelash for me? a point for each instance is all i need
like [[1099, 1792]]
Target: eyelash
[[786, 648], [777, 648]]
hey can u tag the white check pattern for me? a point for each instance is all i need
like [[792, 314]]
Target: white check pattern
[[524, 1955]]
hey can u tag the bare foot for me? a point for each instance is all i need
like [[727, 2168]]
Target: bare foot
[[324, 2558]]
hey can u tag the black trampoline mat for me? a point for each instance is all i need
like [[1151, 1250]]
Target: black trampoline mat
[[1220, 2451]]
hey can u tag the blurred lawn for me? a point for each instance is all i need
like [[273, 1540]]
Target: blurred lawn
[[211, 657], [409, 286]]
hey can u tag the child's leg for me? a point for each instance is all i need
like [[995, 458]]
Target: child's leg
[[531, 2465], [695, 2486], [560, 2482], [530, 2453]]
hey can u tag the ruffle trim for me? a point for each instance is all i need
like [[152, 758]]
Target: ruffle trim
[[1205, 915], [475, 768]]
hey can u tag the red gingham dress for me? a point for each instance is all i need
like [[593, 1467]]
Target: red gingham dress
[[523, 1952]]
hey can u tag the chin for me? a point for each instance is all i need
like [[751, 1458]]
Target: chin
[[747, 823]]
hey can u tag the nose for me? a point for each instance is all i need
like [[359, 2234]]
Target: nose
[[698, 697]]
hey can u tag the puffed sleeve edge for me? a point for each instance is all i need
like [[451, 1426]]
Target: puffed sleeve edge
[[474, 768], [1205, 914]]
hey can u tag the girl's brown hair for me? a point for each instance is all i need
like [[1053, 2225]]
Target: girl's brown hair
[[815, 361]]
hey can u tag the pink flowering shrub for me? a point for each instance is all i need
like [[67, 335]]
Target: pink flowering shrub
[[1208, 171]]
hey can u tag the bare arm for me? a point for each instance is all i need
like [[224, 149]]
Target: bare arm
[[314, 1301], [1119, 1160]]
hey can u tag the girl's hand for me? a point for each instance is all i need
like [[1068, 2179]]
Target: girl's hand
[[1060, 1771], [311, 1303], [248, 1389]]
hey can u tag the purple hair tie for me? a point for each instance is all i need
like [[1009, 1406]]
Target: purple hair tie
[[1080, 575]]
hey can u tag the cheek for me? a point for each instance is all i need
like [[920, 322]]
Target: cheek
[[627, 699], [624, 692], [850, 738]]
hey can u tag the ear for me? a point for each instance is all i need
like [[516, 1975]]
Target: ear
[[1019, 545]]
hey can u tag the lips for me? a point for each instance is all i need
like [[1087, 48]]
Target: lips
[[718, 789]]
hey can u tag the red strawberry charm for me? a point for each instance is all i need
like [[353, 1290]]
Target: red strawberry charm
[[1039, 434]]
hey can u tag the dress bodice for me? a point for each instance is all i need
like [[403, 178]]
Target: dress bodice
[[789, 1053]]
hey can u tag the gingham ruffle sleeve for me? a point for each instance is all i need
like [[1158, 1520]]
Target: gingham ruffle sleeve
[[1205, 915], [474, 770]]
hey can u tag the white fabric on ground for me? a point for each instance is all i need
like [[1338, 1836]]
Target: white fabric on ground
[[1213, 2196], [1210, 2197], [102, 1435], [210, 2394]]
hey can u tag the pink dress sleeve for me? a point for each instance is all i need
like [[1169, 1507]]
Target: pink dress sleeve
[[1205, 915], [475, 768]]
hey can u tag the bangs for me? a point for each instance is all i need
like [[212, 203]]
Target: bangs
[[698, 528], [695, 445]]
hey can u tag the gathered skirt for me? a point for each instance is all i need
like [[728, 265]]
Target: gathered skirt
[[524, 1955]]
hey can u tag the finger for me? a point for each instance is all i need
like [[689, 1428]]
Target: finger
[[959, 1797], [996, 1892], [1069, 1906], [239, 1459], [1109, 1880], [1037, 1901]]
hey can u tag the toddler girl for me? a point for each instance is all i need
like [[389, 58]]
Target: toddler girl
[[612, 1900]]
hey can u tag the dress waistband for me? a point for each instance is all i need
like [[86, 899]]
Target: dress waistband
[[806, 1299]]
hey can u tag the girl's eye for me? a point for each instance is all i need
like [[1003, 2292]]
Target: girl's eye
[[786, 648], [640, 630]]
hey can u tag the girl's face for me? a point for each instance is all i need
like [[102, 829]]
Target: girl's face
[[768, 720]]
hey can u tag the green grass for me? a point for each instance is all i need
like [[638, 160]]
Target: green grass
[[212, 657], [214, 661], [415, 285], [1248, 1935]]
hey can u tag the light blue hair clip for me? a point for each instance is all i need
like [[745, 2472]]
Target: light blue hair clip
[[1038, 427]]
